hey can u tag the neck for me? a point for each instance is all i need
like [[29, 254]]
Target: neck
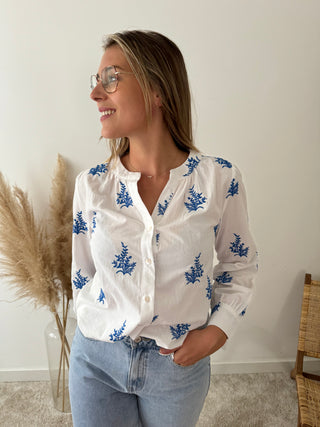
[[153, 155]]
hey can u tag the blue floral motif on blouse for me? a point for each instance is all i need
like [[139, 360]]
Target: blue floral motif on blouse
[[118, 333], [233, 189], [209, 289], [215, 308], [243, 312], [79, 224], [80, 281], [94, 222], [122, 261], [124, 199], [163, 208], [99, 169], [102, 297], [157, 239], [155, 318], [195, 200], [195, 272], [222, 162], [237, 248], [179, 330], [192, 164], [224, 278], [215, 229]]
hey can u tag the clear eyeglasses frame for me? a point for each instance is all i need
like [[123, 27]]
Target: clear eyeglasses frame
[[109, 78]]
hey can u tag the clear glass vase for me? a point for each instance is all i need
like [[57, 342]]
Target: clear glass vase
[[58, 336]]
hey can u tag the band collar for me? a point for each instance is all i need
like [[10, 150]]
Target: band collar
[[180, 172]]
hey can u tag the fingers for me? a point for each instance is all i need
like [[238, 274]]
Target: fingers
[[168, 350]]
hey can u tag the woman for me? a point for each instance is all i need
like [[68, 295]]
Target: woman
[[145, 228]]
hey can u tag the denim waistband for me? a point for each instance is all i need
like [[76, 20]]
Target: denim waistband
[[141, 342]]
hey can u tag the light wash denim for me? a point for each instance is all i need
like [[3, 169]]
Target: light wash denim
[[129, 384]]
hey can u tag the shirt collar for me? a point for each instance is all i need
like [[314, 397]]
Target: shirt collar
[[177, 173]]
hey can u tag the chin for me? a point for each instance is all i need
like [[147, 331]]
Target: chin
[[109, 135]]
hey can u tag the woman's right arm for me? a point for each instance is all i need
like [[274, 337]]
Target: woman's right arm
[[83, 269]]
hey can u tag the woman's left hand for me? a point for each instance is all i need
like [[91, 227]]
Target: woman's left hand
[[198, 344]]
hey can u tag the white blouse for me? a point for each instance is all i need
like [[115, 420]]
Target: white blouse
[[136, 274]]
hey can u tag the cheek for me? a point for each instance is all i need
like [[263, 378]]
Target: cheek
[[135, 107]]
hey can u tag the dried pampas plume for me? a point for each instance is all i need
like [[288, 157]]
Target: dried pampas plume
[[35, 259], [61, 227]]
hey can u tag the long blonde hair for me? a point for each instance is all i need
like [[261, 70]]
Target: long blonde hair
[[157, 63]]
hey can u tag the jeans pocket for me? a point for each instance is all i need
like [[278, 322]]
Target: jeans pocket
[[170, 357]]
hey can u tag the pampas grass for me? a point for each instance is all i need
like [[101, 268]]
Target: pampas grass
[[26, 260], [35, 257], [61, 227]]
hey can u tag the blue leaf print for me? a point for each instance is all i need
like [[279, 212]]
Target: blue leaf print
[[163, 208], [79, 224], [243, 312], [80, 281], [209, 289], [155, 318], [192, 164], [195, 200], [224, 278], [118, 333], [215, 308], [102, 297], [94, 222], [179, 330], [215, 229], [103, 168], [122, 261], [222, 162], [233, 189], [237, 248], [195, 272], [157, 239], [124, 199]]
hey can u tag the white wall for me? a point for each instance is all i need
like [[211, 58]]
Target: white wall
[[254, 69]]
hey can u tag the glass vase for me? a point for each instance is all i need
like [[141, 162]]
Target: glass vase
[[58, 336]]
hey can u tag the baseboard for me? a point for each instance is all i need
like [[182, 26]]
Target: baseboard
[[217, 368], [262, 366], [24, 375]]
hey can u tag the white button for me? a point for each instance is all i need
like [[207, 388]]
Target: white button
[[147, 298], [148, 260], [138, 339], [150, 228]]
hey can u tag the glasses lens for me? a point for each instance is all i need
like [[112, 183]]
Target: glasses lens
[[109, 79], [93, 81]]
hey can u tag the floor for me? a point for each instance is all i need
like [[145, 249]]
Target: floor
[[255, 400]]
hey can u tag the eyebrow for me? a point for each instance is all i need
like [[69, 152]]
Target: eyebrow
[[113, 65], [120, 68]]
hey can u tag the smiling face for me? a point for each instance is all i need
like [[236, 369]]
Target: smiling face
[[123, 112]]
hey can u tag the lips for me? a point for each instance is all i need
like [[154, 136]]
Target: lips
[[106, 113]]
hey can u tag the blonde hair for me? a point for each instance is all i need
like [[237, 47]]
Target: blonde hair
[[157, 63]]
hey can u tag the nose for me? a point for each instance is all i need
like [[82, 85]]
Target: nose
[[98, 93]]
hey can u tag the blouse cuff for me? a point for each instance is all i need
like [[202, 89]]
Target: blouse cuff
[[225, 318]]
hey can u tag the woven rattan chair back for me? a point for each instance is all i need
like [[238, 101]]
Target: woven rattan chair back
[[308, 385], [309, 332]]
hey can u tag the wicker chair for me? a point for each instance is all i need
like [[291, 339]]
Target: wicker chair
[[308, 385]]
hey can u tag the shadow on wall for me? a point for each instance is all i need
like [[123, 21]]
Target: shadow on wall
[[289, 318]]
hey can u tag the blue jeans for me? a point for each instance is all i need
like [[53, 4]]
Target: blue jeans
[[129, 384]]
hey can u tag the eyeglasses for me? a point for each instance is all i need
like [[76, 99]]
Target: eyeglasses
[[109, 78]]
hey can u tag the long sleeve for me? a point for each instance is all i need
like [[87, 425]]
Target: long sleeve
[[236, 254], [83, 269]]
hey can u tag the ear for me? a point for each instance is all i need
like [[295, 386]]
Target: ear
[[157, 101]]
